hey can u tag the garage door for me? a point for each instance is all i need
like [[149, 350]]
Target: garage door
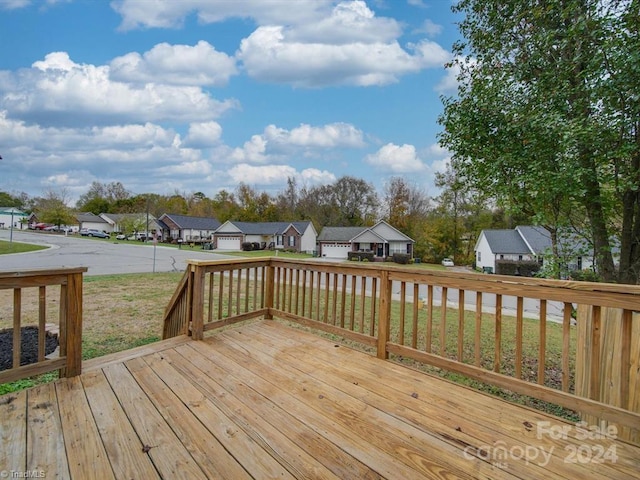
[[228, 243], [335, 250]]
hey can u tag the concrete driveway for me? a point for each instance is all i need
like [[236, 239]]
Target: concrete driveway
[[102, 257]]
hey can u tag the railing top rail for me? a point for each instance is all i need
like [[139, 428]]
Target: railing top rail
[[588, 293], [42, 271]]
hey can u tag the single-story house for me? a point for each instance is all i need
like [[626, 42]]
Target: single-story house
[[382, 240], [298, 236], [91, 220], [9, 214], [529, 243], [186, 228]]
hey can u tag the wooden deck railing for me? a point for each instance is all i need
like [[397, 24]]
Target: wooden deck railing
[[540, 338], [58, 294]]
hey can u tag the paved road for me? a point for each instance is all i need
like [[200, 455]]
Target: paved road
[[102, 257]]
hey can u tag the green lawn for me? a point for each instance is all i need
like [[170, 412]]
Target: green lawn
[[16, 247]]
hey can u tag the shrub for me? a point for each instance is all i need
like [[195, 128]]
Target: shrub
[[402, 258], [360, 256], [247, 246], [517, 268], [587, 275]]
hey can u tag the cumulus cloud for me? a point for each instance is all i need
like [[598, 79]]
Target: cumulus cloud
[[57, 90], [172, 13], [199, 65], [396, 159], [430, 29], [202, 135], [278, 174], [13, 4], [275, 142]]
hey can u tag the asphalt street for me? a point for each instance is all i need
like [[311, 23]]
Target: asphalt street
[[101, 257]]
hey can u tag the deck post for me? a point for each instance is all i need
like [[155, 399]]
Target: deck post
[[269, 291], [197, 301], [385, 309], [73, 325]]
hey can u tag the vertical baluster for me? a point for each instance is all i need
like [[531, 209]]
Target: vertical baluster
[[17, 328], [297, 299], [210, 299], [318, 290], [327, 286], [403, 303], [311, 280], [343, 299], [290, 299], [498, 335], [230, 295], [284, 288], [542, 350], [220, 293], [304, 291], [478, 332], [566, 343], [594, 381], [519, 319], [443, 321], [460, 325], [374, 297], [625, 357], [238, 290], [247, 289], [363, 297], [429, 333], [352, 313], [334, 303], [414, 326], [42, 321]]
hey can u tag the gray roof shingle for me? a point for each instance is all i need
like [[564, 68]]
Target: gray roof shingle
[[339, 234]]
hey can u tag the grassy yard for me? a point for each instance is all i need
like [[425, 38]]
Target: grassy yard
[[16, 247]]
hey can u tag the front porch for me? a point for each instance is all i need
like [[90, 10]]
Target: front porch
[[262, 400]]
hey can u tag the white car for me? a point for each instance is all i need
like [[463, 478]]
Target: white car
[[447, 262], [121, 236]]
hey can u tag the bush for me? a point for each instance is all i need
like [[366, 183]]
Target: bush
[[247, 246], [517, 268], [587, 275], [255, 246], [360, 256], [402, 258]]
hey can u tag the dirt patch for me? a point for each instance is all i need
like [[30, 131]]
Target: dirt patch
[[28, 346]]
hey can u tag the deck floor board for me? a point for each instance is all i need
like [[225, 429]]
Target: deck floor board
[[263, 400]]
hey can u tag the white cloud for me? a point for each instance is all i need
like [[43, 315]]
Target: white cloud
[[252, 151], [278, 174], [176, 65], [58, 90], [430, 29], [202, 135], [13, 4], [396, 159], [171, 13], [327, 136]]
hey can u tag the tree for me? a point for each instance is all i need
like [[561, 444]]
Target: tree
[[531, 123], [52, 208], [103, 198]]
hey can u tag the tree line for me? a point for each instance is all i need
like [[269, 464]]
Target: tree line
[[443, 226]]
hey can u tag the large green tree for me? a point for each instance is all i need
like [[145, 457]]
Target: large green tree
[[538, 121]]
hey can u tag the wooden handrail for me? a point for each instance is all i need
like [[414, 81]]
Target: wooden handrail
[[492, 328], [69, 281]]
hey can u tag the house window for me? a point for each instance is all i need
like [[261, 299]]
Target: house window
[[520, 257], [579, 263], [479, 256], [279, 240], [292, 240], [501, 257]]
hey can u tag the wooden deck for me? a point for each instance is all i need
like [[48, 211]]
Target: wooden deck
[[266, 401]]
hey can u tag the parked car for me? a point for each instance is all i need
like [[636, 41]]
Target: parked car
[[92, 232], [447, 262], [121, 236]]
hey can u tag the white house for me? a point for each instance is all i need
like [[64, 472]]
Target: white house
[[528, 243], [382, 240], [298, 236], [90, 220], [12, 214], [186, 228]]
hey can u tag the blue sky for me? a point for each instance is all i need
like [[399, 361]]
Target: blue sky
[[198, 95]]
